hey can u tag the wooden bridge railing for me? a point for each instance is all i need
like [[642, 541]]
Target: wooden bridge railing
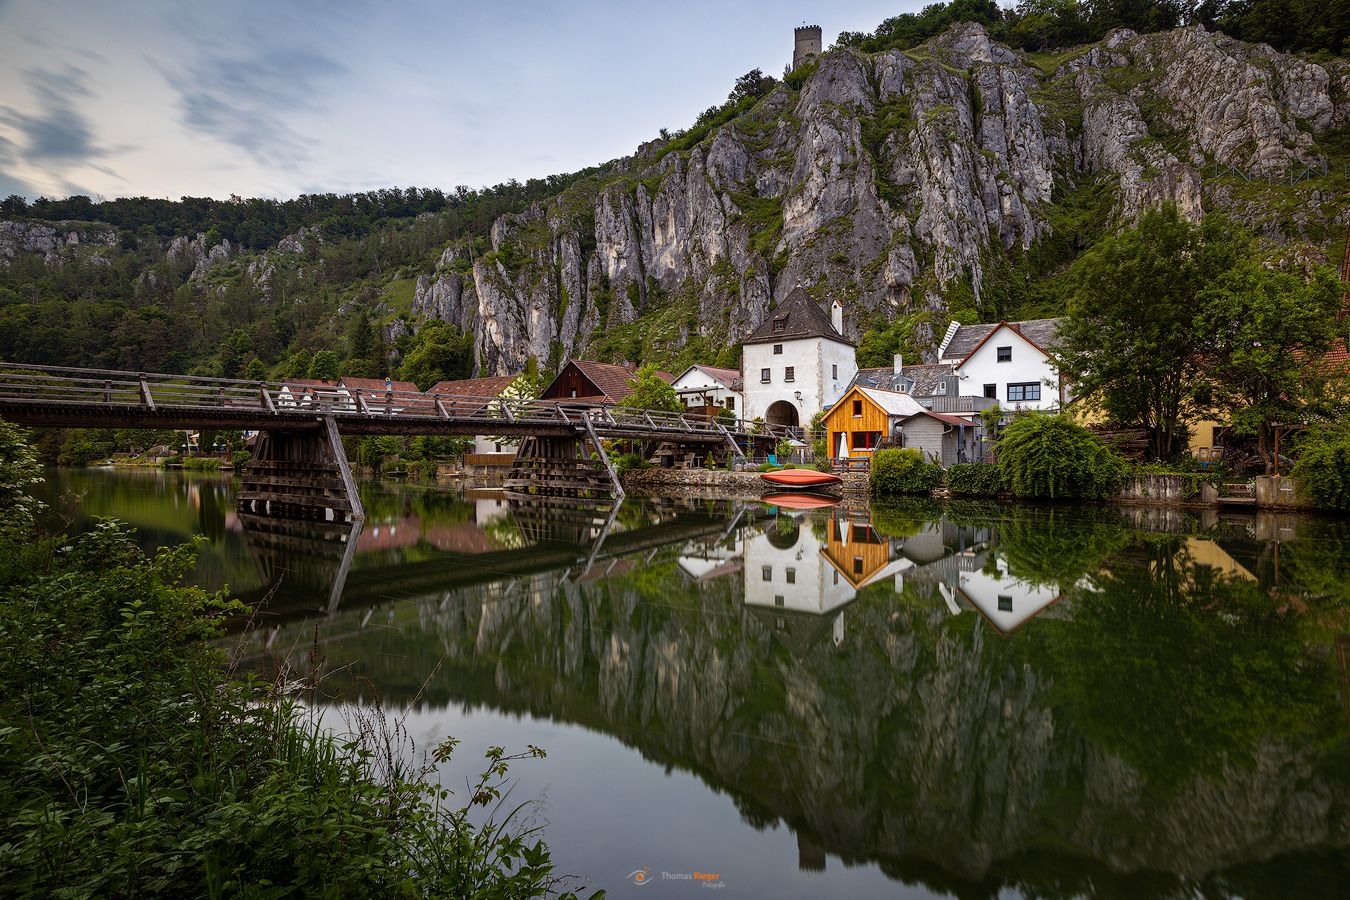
[[103, 388]]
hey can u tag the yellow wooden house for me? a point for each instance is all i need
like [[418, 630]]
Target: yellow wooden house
[[857, 423]]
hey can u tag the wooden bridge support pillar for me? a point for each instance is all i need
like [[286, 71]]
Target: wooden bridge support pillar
[[301, 475], [562, 467]]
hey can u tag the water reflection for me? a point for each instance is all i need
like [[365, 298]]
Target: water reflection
[[972, 699]]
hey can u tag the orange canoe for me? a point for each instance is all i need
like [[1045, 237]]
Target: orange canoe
[[800, 501], [806, 478]]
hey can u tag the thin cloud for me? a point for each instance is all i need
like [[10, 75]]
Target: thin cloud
[[56, 131], [247, 101]]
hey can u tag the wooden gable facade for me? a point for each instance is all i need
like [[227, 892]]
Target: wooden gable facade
[[573, 383], [855, 426], [856, 551]]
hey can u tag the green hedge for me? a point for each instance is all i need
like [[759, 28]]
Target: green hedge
[[974, 480], [1323, 467], [1055, 458], [903, 471]]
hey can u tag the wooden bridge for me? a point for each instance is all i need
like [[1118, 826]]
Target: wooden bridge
[[299, 468]]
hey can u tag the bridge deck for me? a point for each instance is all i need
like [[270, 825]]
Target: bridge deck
[[98, 398]]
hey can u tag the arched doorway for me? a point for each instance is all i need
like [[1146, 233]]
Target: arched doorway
[[782, 412]]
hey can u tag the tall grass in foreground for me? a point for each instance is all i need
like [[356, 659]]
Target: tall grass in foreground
[[134, 764]]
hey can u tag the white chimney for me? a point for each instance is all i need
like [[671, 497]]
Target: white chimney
[[837, 316], [899, 365]]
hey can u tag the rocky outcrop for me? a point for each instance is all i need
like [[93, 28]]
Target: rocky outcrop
[[49, 239], [196, 254], [884, 180]]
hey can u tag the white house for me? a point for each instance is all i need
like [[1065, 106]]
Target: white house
[[797, 362], [704, 387], [1009, 362]]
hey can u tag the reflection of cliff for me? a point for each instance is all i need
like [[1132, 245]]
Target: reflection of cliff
[[1176, 725], [1169, 719]]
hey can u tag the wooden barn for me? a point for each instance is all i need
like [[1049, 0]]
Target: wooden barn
[[586, 382]]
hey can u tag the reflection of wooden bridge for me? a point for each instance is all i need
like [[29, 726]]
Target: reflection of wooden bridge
[[299, 467], [307, 566]]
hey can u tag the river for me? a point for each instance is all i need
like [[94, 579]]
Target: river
[[916, 700]]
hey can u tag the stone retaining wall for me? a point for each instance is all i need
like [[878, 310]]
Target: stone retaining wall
[[1170, 490]]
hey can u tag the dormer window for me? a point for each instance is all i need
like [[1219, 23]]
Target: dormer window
[[942, 387], [779, 326], [1005, 354]]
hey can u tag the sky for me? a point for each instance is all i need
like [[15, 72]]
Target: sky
[[274, 98]]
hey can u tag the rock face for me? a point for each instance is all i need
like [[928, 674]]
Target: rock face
[[885, 180], [49, 239], [195, 253]]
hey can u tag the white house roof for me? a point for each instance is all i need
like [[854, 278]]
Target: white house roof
[[728, 378], [893, 403], [1040, 332]]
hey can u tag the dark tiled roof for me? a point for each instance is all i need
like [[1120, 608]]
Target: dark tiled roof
[[797, 317], [941, 417], [474, 387], [922, 379], [1041, 332], [376, 384], [484, 388], [614, 382]]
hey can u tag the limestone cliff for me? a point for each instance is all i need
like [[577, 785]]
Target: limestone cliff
[[888, 179]]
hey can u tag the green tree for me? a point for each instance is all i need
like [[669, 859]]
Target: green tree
[[441, 352], [299, 363], [235, 353], [325, 365], [1270, 329], [255, 370], [1055, 458], [1323, 467], [652, 392], [19, 472], [1132, 342]]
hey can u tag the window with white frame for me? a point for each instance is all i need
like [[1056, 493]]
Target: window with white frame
[[1019, 393], [790, 373], [764, 376]]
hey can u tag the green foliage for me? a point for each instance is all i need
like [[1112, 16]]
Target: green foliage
[[441, 352], [1133, 341], [325, 365], [626, 462], [1055, 458], [903, 471], [974, 479], [1270, 329], [144, 768], [19, 473], [201, 463], [798, 76], [1323, 465], [652, 392]]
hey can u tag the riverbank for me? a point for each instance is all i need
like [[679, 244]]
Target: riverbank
[[1150, 489]]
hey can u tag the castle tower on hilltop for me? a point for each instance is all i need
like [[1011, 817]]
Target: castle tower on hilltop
[[806, 44]]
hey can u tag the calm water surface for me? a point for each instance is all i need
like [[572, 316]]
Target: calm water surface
[[969, 700]]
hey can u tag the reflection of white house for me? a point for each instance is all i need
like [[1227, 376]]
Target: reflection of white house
[[797, 362], [705, 563], [701, 387], [789, 583], [1009, 362], [1004, 599], [379, 395]]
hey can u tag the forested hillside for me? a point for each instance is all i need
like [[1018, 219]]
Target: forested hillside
[[952, 164]]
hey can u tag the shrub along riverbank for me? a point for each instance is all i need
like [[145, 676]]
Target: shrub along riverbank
[[1049, 457], [137, 764]]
